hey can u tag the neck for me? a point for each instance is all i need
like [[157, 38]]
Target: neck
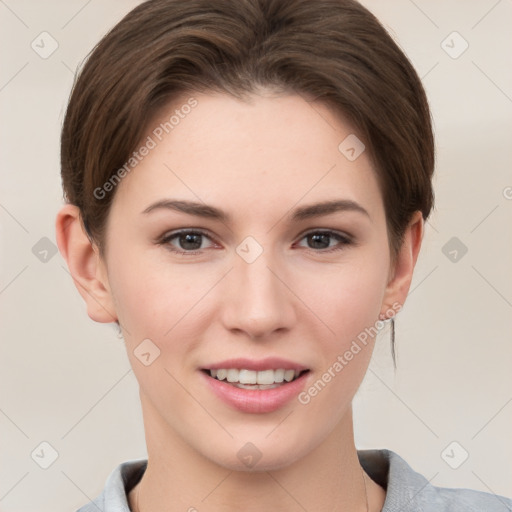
[[179, 478]]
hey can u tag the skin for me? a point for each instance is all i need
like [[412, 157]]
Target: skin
[[258, 161]]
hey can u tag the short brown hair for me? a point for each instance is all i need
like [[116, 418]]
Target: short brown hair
[[333, 51]]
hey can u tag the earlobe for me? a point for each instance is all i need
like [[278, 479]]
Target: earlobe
[[84, 264], [403, 268]]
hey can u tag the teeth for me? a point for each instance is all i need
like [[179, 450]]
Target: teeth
[[233, 375], [278, 375], [289, 375], [255, 386], [247, 377], [264, 377]]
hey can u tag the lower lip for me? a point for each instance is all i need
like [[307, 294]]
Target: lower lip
[[256, 401]]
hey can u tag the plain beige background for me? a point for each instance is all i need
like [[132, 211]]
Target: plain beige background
[[66, 381]]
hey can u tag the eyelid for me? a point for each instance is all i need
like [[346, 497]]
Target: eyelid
[[342, 234], [166, 238], [344, 239], [184, 231]]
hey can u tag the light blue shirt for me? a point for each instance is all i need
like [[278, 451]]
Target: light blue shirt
[[406, 490]]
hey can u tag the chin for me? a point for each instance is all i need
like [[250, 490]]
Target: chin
[[258, 455]]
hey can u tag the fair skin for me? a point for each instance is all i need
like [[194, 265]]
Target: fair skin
[[258, 162]]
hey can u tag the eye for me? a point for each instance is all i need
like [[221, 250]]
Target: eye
[[186, 241], [326, 241], [193, 241]]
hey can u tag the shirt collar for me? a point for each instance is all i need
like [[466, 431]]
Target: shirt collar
[[405, 488]]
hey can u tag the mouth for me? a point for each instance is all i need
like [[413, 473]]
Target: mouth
[[256, 386], [255, 380]]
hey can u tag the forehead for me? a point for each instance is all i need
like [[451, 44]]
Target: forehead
[[268, 152]]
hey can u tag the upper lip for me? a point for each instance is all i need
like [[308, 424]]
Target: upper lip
[[269, 363]]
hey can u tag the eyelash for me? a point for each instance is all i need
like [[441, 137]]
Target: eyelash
[[344, 240]]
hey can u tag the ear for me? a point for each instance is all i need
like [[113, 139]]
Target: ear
[[85, 264], [402, 269]]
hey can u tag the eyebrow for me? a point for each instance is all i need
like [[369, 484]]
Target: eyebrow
[[210, 212]]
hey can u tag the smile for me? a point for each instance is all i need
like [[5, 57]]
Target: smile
[[251, 379], [256, 387]]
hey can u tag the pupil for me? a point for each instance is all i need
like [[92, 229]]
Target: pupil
[[319, 241], [190, 238]]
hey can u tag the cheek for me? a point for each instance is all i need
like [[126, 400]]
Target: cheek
[[350, 306], [347, 298], [157, 306], [156, 299]]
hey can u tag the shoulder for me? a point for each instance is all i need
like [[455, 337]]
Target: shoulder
[[407, 490], [114, 497]]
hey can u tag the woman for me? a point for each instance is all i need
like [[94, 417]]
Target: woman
[[247, 184]]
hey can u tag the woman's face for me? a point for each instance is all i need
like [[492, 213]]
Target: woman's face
[[264, 281]]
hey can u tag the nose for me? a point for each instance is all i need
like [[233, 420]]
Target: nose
[[257, 298]]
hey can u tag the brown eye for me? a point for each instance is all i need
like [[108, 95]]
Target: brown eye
[[325, 241], [190, 241], [185, 241]]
